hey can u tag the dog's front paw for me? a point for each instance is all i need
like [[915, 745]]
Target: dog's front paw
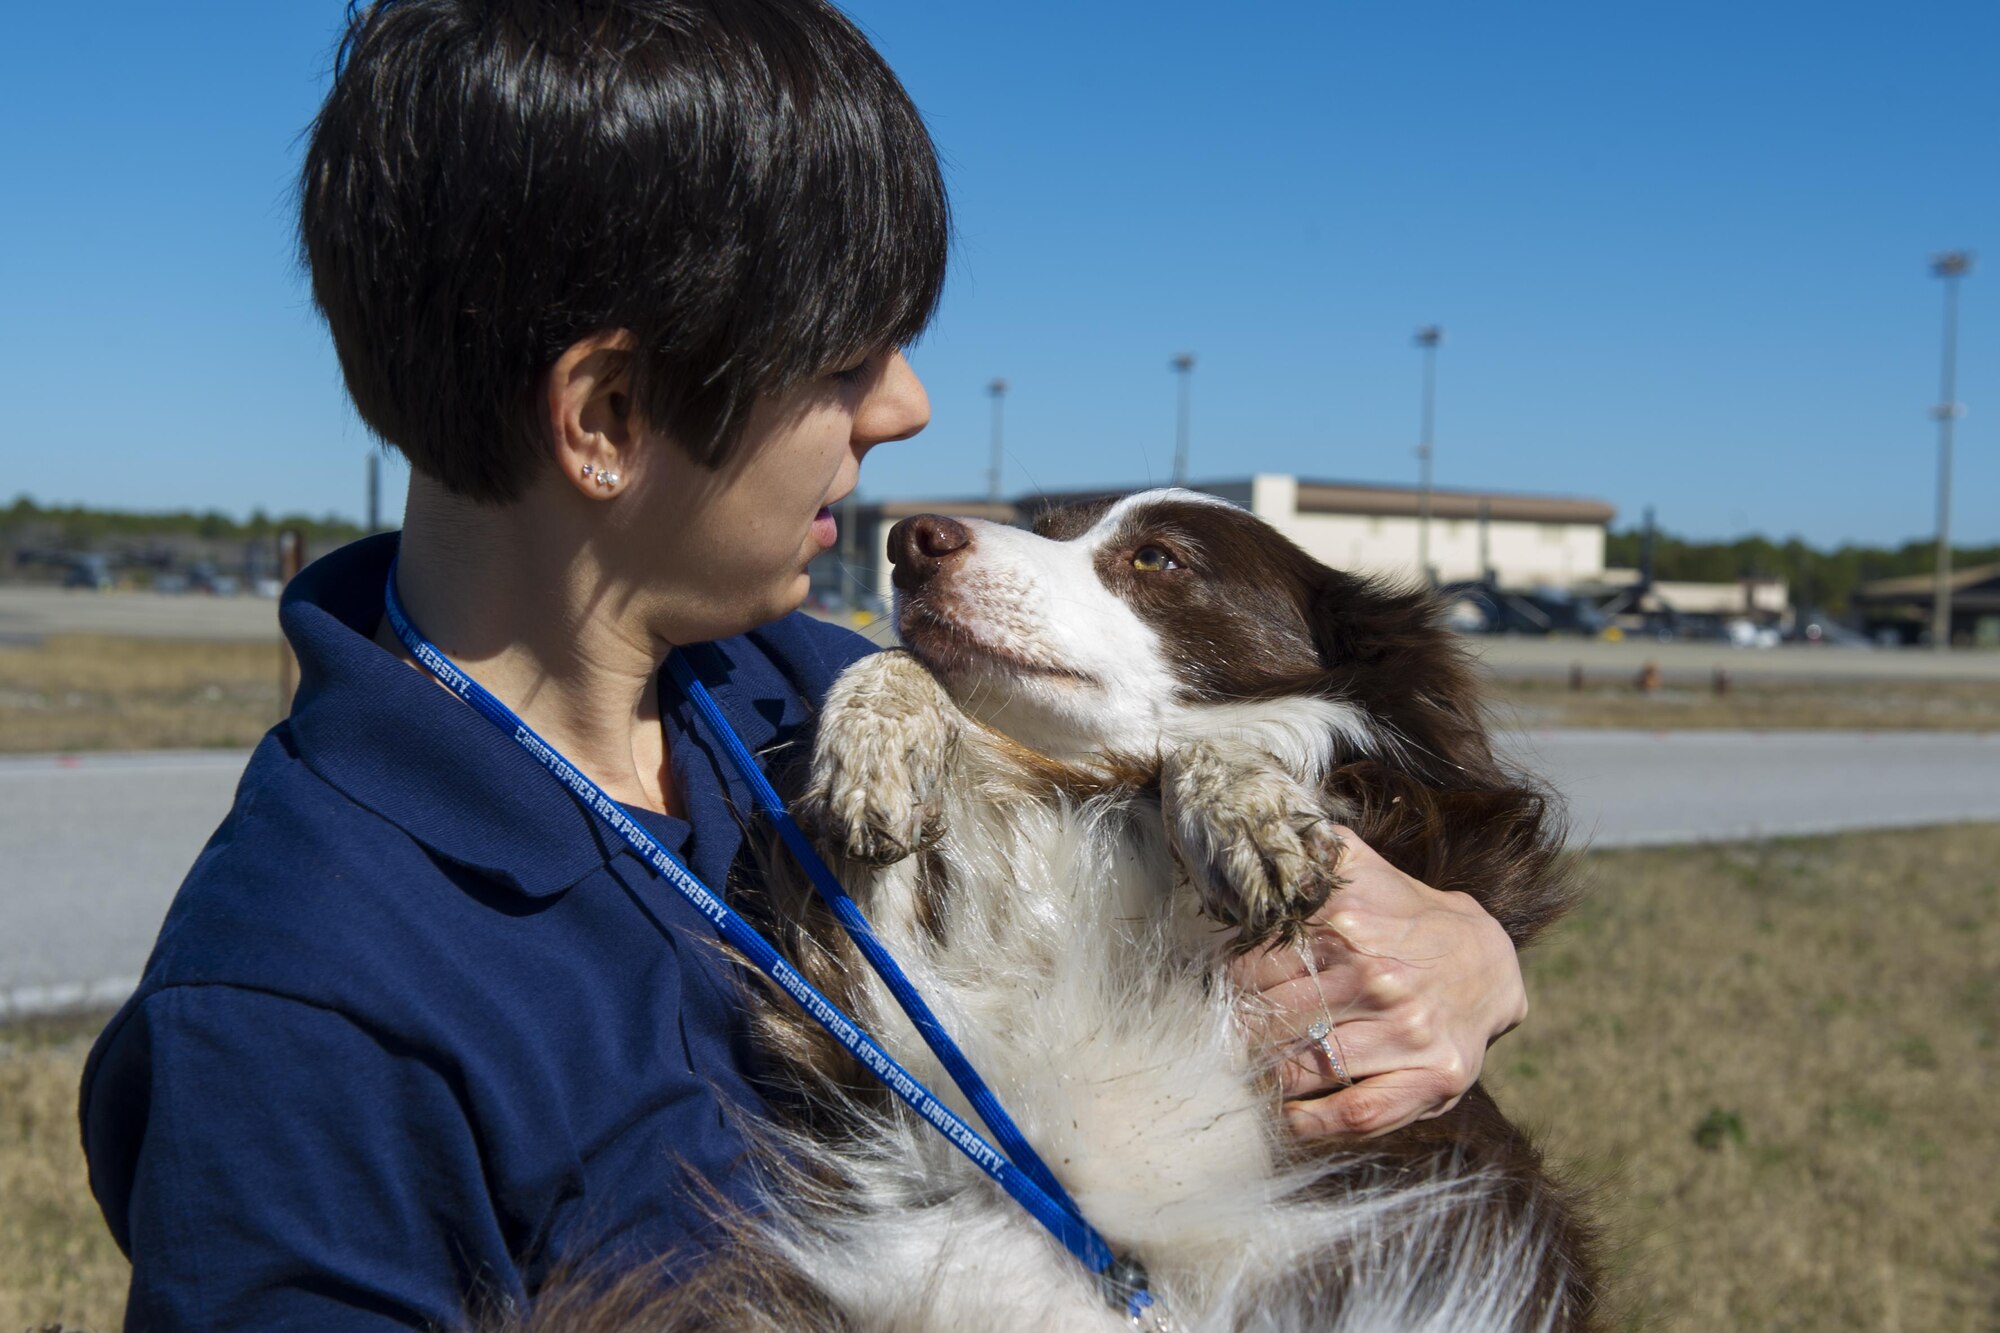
[[885, 735], [1259, 845]]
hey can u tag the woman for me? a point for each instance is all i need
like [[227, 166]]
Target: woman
[[626, 282]]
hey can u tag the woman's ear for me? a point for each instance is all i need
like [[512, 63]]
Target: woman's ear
[[593, 428]]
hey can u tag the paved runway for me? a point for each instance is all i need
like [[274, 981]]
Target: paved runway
[[1636, 788], [92, 848], [28, 614]]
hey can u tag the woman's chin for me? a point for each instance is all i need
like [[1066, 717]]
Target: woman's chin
[[741, 613], [783, 602]]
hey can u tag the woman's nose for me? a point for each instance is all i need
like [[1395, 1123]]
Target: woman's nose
[[895, 406]]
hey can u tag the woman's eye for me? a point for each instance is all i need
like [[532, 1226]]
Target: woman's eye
[[853, 374], [1151, 559]]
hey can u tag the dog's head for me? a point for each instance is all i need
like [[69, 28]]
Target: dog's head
[[1118, 626]]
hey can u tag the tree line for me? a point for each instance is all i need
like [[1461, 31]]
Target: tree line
[[80, 528]]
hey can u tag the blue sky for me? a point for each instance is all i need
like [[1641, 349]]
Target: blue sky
[[1679, 252]]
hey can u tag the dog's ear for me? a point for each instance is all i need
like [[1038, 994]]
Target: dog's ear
[[1358, 621], [1387, 648]]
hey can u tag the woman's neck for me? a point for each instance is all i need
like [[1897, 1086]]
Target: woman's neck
[[510, 593]]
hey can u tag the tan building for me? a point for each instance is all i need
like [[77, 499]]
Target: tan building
[[1525, 540], [1901, 608], [1767, 600]]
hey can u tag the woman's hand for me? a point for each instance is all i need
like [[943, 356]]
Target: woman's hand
[[1415, 984]]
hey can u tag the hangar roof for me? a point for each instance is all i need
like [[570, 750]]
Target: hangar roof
[[1314, 497]]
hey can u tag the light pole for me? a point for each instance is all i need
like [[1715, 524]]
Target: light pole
[[1952, 266], [998, 390], [1428, 338], [375, 489], [1183, 366]]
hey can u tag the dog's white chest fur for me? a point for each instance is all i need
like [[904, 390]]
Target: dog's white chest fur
[[1048, 933]]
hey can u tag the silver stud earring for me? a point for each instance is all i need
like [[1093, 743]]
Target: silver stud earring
[[588, 469], [607, 480]]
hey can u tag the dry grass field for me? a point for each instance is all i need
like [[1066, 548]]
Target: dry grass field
[[1753, 703], [1776, 1061], [57, 1262], [100, 692]]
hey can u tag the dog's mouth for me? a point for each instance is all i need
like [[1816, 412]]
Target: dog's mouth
[[949, 648]]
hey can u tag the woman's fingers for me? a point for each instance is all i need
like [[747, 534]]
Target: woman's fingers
[[1384, 1103], [1306, 1071], [1351, 986], [1368, 1049], [1413, 983], [1281, 964]]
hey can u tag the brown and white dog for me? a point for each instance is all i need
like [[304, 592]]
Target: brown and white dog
[[1113, 752]]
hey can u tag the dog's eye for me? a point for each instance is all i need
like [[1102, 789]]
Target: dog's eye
[[1152, 559]]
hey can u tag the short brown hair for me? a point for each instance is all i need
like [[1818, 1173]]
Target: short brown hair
[[743, 185]]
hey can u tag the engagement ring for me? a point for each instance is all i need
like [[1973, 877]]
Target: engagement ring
[[1321, 1035]]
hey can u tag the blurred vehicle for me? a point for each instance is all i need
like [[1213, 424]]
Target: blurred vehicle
[[1749, 634], [1816, 627], [88, 571], [1481, 608], [203, 576], [1680, 626]]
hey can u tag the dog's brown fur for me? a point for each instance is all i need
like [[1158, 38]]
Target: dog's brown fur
[[1439, 806]]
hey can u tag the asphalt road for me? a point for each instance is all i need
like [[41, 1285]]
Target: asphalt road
[[1643, 788], [29, 614], [92, 848]]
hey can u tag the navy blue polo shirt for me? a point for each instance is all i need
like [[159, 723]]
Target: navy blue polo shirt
[[417, 1029]]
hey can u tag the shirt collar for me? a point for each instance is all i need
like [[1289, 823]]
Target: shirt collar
[[383, 734]]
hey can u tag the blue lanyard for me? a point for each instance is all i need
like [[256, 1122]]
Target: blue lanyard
[[1030, 1184], [848, 912]]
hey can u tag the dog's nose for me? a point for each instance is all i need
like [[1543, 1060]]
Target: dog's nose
[[919, 546]]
